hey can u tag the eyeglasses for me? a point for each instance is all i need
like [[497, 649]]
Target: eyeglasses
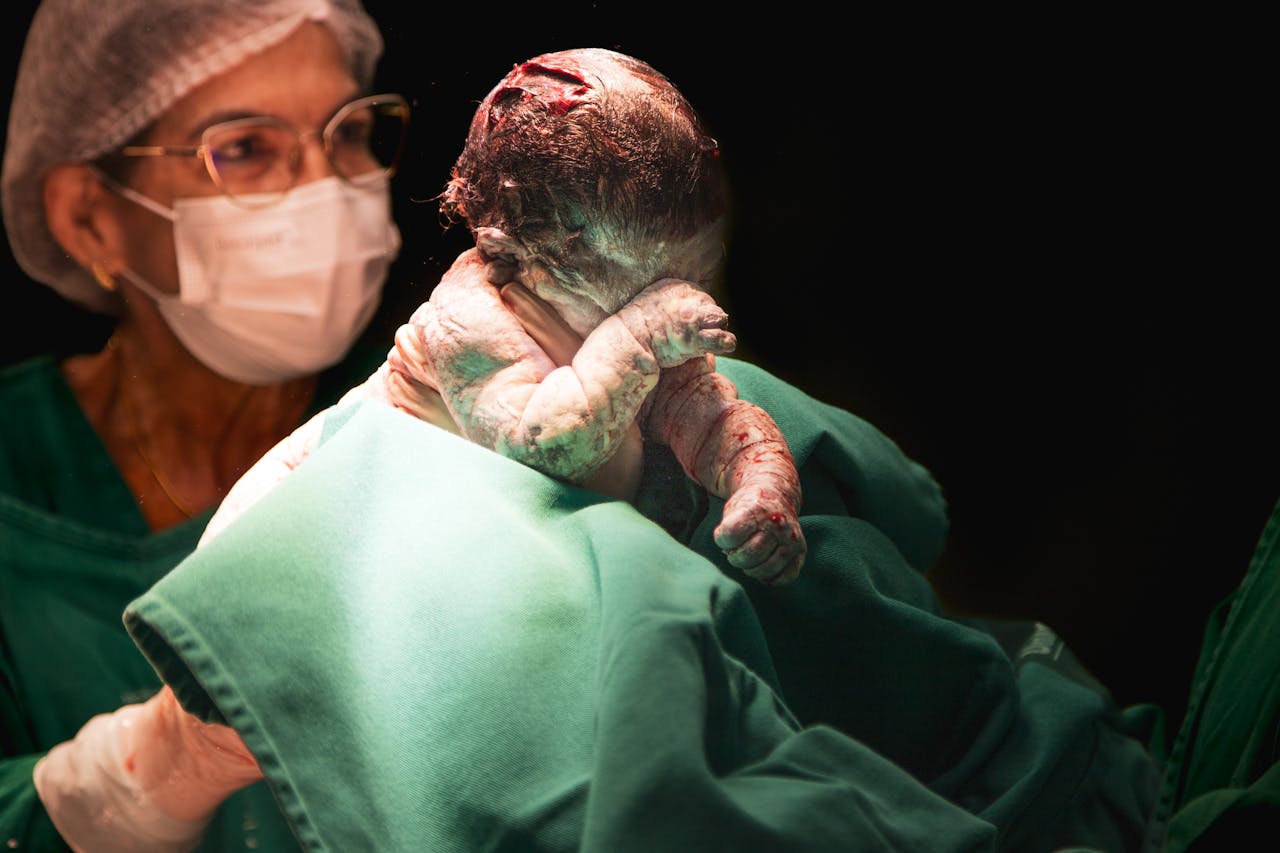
[[256, 161]]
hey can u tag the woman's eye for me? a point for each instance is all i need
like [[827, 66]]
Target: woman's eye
[[242, 149], [353, 132]]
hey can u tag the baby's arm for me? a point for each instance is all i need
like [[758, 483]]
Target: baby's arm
[[735, 450], [506, 393]]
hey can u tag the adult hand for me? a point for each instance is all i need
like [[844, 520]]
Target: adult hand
[[147, 777]]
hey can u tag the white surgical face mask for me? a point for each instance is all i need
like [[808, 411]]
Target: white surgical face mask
[[269, 294]]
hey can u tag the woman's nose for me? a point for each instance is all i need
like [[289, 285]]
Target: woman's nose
[[315, 162]]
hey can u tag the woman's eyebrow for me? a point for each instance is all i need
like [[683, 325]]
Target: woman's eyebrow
[[231, 114], [197, 128]]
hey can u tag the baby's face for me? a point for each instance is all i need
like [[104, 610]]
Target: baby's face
[[584, 303]]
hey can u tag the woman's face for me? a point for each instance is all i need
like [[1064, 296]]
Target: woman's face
[[302, 81]]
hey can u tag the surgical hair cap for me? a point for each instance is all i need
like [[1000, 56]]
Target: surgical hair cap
[[94, 73]]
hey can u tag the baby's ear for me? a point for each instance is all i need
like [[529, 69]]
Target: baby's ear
[[495, 245]]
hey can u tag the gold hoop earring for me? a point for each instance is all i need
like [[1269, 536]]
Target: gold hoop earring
[[104, 278]]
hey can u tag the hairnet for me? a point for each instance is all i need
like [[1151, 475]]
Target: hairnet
[[93, 74]]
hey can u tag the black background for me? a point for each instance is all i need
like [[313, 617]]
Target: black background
[[1009, 242]]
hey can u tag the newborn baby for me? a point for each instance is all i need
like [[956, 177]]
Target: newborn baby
[[588, 179]]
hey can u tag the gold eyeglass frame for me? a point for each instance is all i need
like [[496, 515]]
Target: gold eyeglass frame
[[203, 150]]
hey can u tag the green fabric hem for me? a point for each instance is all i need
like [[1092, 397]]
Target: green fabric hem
[[204, 688]]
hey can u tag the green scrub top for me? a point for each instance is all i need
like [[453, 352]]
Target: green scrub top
[[430, 647], [74, 550]]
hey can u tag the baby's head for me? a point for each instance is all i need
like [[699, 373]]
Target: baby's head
[[593, 164]]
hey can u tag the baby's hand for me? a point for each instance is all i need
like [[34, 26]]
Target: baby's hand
[[676, 321], [760, 534]]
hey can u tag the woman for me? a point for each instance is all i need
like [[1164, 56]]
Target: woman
[[214, 175]]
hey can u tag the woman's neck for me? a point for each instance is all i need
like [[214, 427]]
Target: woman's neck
[[180, 434]]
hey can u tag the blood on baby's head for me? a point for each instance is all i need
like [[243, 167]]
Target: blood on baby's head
[[589, 158]]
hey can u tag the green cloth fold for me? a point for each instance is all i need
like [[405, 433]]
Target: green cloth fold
[[430, 647]]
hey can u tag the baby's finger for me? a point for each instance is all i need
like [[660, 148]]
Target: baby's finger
[[718, 341]]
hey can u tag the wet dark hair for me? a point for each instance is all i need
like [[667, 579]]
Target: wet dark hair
[[583, 154]]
